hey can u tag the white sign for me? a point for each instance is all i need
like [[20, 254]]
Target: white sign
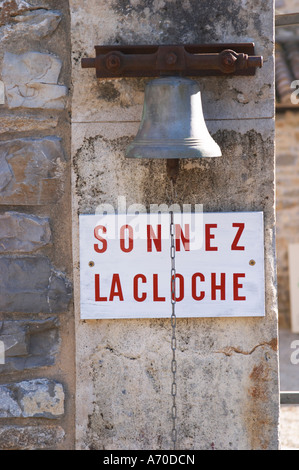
[[125, 265]]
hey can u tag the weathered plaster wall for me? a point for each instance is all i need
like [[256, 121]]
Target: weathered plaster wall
[[36, 315], [227, 368]]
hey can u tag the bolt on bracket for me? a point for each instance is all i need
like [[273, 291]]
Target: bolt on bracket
[[192, 60]]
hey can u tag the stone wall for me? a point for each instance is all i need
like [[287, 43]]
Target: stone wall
[[287, 146], [287, 207], [287, 6], [36, 321], [227, 376]]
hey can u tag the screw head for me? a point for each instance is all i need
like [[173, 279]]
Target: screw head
[[91, 264], [252, 262], [228, 61], [112, 62], [171, 58]]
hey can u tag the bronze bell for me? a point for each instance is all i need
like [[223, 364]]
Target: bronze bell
[[173, 124]]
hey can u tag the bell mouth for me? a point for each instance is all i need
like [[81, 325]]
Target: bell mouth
[[169, 149]]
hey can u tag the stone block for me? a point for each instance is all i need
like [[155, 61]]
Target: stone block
[[29, 344], [21, 233], [31, 171], [30, 437], [26, 123], [30, 25], [11, 8], [31, 284], [38, 398], [31, 81], [15, 340]]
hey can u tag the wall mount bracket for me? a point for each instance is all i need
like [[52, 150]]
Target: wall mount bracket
[[183, 60]]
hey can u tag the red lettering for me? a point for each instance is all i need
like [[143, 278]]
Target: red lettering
[[238, 286], [209, 237], [123, 236], [182, 288], [101, 239], [220, 286], [152, 237], [116, 290], [98, 297], [135, 289], [202, 294], [235, 245], [155, 290], [180, 235]]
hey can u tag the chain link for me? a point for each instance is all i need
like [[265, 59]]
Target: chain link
[[173, 338]]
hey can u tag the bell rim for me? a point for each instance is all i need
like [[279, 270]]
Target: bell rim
[[186, 142], [168, 152], [172, 80]]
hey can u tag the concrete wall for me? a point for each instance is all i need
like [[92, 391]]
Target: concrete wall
[[228, 396]]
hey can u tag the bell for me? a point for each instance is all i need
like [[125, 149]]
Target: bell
[[173, 124]]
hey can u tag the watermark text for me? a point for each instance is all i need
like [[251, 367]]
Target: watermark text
[[295, 354], [2, 353]]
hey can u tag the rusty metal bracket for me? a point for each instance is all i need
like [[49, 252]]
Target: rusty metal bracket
[[188, 60]]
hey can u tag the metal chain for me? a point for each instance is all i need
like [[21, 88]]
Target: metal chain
[[173, 338]]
